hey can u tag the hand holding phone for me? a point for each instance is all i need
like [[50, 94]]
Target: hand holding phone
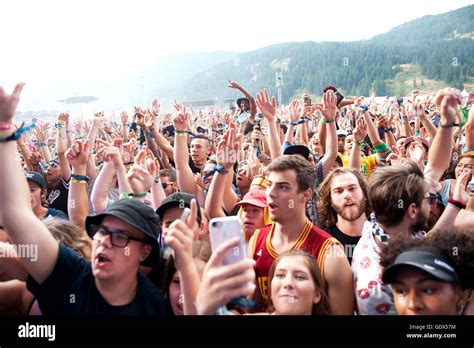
[[223, 229]]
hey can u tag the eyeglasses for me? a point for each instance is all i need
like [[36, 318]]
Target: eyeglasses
[[118, 238], [431, 199], [164, 184]]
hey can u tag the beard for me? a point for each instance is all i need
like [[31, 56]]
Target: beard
[[350, 215], [421, 223]]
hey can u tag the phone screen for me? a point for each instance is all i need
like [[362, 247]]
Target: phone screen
[[223, 229]]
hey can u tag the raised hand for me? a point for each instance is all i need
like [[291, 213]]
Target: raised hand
[[155, 107], [40, 133], [268, 108], [360, 131], [111, 154], [124, 117], [140, 174], [179, 121], [180, 238], [295, 110], [459, 192], [64, 117], [78, 154], [448, 100], [228, 148], [233, 84], [99, 118], [8, 103], [329, 106]]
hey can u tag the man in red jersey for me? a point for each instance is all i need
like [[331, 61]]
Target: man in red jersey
[[291, 179]]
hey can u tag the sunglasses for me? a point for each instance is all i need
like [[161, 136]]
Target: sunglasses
[[165, 184], [52, 165], [118, 238], [431, 198]]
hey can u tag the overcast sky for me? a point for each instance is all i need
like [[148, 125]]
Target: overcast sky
[[47, 43]]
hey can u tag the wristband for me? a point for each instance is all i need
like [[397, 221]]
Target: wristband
[[448, 125], [78, 181], [76, 177], [220, 169], [59, 125], [380, 148], [42, 144], [360, 144], [137, 195], [124, 195], [386, 130], [326, 121], [157, 179], [456, 203], [17, 134]]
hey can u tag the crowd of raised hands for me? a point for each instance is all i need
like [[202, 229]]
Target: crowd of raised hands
[[190, 166]]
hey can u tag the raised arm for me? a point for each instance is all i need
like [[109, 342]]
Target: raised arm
[[181, 155], [41, 134], [447, 101], [359, 133], [269, 112], [23, 227], [180, 238], [62, 146], [78, 201], [253, 106], [329, 113], [99, 194]]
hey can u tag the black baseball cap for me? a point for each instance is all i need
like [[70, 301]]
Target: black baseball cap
[[177, 200], [138, 215], [37, 178], [426, 261], [297, 150]]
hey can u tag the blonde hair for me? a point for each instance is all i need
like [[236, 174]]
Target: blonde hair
[[67, 233]]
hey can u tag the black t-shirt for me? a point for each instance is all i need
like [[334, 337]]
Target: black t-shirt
[[70, 290], [57, 198], [349, 242], [194, 169]]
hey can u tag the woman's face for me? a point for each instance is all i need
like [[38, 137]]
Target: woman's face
[[466, 163], [292, 288], [417, 293], [176, 297]]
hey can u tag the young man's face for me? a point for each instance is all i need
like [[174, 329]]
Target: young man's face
[[199, 150], [36, 194], [169, 186], [341, 142], [347, 197], [53, 173], [283, 198], [110, 262], [252, 218], [245, 105], [417, 293]]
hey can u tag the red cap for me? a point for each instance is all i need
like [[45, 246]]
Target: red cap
[[256, 197]]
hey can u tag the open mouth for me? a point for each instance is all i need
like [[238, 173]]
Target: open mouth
[[102, 259]]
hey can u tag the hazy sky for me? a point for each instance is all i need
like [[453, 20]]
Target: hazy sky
[[50, 43]]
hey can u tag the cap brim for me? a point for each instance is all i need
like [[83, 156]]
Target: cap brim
[[389, 275], [253, 202], [163, 208]]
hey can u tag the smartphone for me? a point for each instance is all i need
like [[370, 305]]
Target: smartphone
[[400, 101], [225, 228], [340, 97]]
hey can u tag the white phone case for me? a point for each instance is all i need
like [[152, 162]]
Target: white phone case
[[225, 228]]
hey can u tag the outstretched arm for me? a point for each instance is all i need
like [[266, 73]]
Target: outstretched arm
[[18, 217], [253, 106], [269, 112]]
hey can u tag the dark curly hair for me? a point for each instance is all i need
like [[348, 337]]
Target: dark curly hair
[[455, 246]]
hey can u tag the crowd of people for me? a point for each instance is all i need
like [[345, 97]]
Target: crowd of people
[[347, 206]]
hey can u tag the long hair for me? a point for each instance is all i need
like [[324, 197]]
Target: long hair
[[327, 214], [70, 235], [322, 307]]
